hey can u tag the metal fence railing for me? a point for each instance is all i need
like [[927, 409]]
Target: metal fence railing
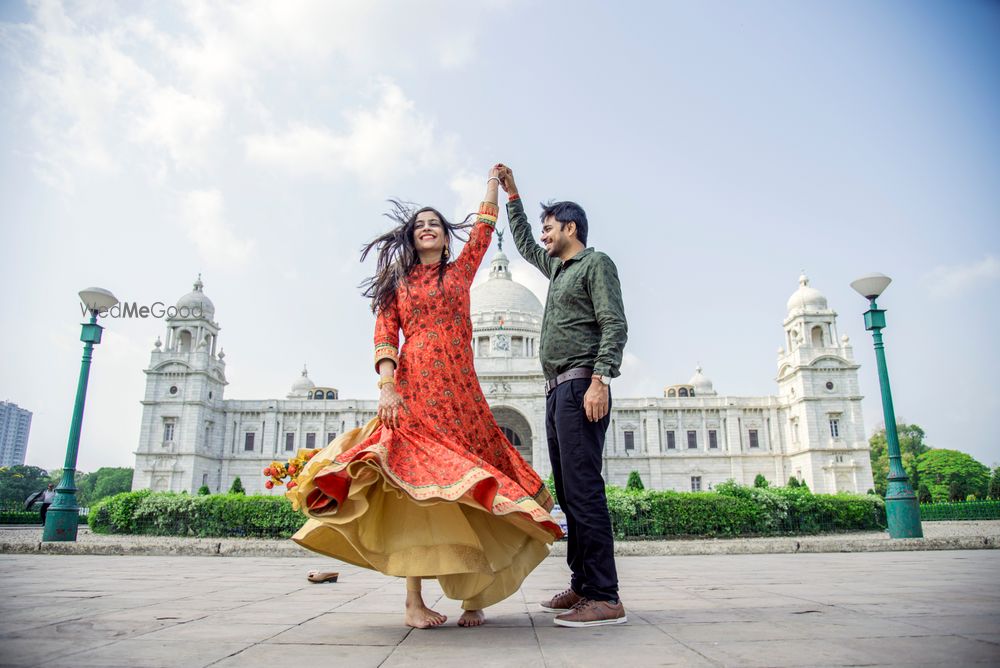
[[961, 510], [14, 513]]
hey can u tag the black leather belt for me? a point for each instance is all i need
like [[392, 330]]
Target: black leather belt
[[572, 374]]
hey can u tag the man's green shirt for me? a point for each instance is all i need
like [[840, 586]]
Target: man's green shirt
[[584, 323]]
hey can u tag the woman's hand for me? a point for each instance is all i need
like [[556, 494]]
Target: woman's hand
[[390, 406], [507, 179]]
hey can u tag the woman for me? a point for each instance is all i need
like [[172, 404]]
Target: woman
[[431, 488]]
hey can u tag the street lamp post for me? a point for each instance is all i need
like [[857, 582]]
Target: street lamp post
[[63, 516], [901, 507]]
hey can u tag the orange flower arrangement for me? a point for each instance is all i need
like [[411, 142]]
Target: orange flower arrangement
[[278, 471]]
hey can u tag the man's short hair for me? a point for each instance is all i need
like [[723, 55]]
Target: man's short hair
[[567, 212]]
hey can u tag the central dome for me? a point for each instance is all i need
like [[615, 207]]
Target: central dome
[[302, 385], [701, 383], [502, 293]]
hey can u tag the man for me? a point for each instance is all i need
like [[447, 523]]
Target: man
[[583, 336], [48, 496]]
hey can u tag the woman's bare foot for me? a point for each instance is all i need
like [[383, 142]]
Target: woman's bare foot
[[472, 618], [419, 616]]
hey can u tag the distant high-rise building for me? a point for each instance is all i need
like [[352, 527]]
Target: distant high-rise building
[[15, 423]]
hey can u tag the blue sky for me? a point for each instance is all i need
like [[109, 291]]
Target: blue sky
[[719, 150]]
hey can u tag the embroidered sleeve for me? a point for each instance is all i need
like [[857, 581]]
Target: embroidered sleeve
[[387, 335], [475, 248]]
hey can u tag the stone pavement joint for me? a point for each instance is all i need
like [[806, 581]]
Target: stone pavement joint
[[938, 608], [972, 535]]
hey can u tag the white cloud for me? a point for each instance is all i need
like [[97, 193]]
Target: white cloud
[[951, 281], [469, 189], [377, 144], [95, 89], [202, 216], [179, 123]]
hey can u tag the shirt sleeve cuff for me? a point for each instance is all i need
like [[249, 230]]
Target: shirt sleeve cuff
[[513, 197], [514, 205]]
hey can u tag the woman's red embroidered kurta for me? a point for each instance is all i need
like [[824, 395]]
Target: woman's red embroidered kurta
[[448, 447]]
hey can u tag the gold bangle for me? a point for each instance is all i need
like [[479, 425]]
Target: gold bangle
[[386, 381]]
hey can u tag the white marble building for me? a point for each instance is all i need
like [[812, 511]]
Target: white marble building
[[691, 438]]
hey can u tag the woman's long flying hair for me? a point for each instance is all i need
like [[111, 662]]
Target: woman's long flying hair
[[397, 254]]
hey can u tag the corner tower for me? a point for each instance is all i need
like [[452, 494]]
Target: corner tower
[[181, 436], [818, 382]]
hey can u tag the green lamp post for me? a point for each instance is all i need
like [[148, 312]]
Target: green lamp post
[[63, 516], [901, 507]]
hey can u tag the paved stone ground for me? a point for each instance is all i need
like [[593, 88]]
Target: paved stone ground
[[884, 608], [968, 535]]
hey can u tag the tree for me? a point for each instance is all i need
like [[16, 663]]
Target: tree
[[204, 490], [994, 491], [793, 482], [760, 481], [108, 481], [18, 482], [237, 487], [634, 482], [92, 487], [911, 446], [924, 494], [953, 475]]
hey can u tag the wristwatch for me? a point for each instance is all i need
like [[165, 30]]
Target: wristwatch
[[604, 379]]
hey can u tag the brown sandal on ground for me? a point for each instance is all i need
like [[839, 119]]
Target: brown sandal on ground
[[318, 577]]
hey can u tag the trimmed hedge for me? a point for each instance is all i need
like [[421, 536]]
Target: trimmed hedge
[[735, 510], [216, 515], [730, 510], [963, 510]]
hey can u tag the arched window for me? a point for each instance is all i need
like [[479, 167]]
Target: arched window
[[817, 336], [683, 392], [185, 341], [330, 394], [671, 393], [512, 436]]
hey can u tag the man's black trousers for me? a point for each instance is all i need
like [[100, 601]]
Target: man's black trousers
[[576, 446]]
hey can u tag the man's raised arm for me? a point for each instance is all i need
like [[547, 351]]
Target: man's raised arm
[[529, 249]]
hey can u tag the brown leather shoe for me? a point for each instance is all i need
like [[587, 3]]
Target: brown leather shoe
[[593, 613], [561, 602]]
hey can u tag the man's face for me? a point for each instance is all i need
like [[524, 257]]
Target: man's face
[[555, 238]]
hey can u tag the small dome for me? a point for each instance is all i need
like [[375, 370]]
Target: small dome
[[806, 298], [503, 293], [701, 383], [197, 300], [302, 385]]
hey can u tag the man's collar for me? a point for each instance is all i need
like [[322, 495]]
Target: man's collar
[[579, 256]]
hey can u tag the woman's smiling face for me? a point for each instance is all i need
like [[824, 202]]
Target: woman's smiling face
[[429, 233]]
